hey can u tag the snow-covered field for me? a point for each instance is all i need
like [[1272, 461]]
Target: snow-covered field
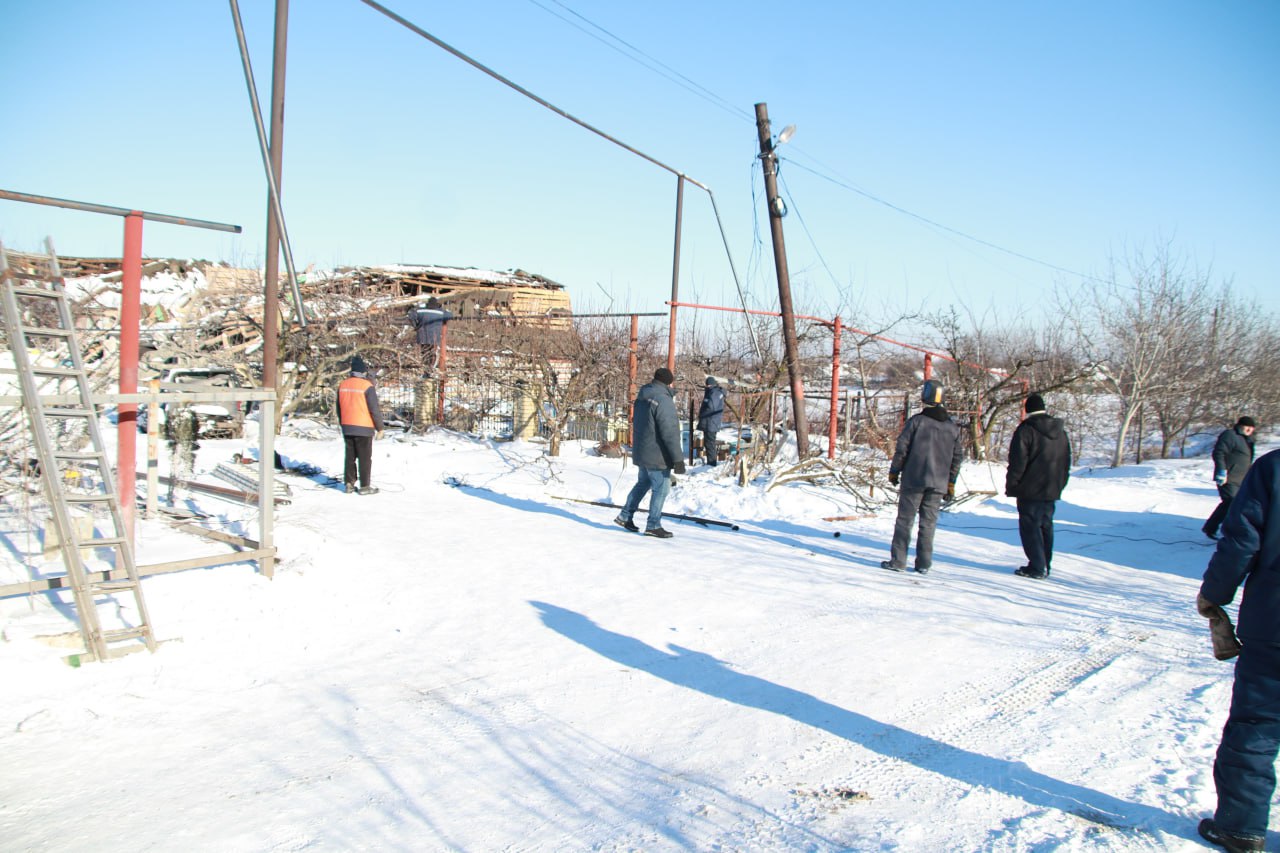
[[490, 667]]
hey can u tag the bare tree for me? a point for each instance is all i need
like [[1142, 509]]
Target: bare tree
[[1134, 325]]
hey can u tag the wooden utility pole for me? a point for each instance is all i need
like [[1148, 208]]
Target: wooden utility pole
[[769, 162]]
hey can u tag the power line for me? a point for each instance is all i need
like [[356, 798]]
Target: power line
[[644, 59], [934, 224]]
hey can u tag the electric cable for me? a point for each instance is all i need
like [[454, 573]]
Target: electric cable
[[645, 60]]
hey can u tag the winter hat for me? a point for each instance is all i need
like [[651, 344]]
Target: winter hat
[[711, 380], [931, 394], [1035, 403], [358, 365], [1246, 421], [666, 377]]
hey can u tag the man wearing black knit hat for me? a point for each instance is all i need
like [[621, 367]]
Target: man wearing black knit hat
[[1039, 467], [1232, 456], [655, 448]]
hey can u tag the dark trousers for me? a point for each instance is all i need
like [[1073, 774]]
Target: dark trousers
[[1225, 492], [1035, 528], [359, 457], [709, 441], [1245, 769], [927, 503]]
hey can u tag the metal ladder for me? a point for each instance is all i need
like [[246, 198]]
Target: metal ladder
[[47, 359]]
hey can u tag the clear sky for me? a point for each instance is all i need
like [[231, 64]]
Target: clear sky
[[1067, 133]]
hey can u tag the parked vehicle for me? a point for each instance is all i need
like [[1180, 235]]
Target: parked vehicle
[[215, 419]]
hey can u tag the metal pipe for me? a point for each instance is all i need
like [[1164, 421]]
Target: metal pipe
[[675, 278], [117, 211], [266, 163], [835, 391], [127, 413], [271, 274]]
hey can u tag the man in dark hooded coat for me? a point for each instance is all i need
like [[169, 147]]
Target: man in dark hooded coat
[[710, 415], [656, 452], [1039, 467]]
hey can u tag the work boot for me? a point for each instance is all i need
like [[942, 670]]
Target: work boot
[[350, 488], [659, 533], [626, 525], [891, 567], [1028, 572], [368, 490], [1210, 832]]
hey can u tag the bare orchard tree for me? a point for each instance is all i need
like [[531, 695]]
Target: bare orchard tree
[[575, 368], [1135, 326]]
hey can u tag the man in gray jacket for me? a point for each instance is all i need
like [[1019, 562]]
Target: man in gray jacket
[[656, 451], [926, 463]]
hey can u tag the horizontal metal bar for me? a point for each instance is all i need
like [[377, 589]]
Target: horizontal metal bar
[[117, 211], [175, 397], [64, 581]]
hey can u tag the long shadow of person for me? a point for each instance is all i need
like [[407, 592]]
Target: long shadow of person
[[701, 672]]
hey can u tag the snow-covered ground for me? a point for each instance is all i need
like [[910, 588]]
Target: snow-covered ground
[[488, 666]]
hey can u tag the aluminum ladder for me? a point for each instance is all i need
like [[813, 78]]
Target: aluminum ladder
[[78, 483]]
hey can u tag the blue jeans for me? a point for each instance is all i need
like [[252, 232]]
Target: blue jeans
[[656, 480]]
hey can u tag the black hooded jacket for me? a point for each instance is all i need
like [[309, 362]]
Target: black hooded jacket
[[1039, 459]]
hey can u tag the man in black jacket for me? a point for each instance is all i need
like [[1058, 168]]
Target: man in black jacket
[[1244, 771], [1232, 456], [1039, 467]]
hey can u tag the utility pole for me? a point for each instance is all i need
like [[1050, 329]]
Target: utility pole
[[769, 162]]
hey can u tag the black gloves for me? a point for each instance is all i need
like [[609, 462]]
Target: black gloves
[[679, 466], [893, 478]]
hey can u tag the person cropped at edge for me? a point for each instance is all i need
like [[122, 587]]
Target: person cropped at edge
[[1232, 456], [361, 421], [710, 415], [656, 452], [926, 463], [1039, 467], [1244, 770]]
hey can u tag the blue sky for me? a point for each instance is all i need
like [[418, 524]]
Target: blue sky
[[1068, 133]]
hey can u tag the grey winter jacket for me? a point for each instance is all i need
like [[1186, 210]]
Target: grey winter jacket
[[1039, 459], [655, 431], [1232, 455], [929, 452]]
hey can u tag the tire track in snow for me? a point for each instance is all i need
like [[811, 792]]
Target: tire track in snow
[[918, 750]]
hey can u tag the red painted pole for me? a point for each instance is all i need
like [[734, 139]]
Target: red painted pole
[[835, 390], [127, 413], [928, 366]]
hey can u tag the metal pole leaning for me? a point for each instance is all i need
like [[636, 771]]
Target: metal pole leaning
[[266, 164]]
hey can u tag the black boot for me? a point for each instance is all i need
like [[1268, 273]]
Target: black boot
[[1210, 832]]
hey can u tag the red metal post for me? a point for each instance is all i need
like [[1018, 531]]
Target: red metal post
[[835, 389], [928, 366], [442, 372], [127, 413]]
